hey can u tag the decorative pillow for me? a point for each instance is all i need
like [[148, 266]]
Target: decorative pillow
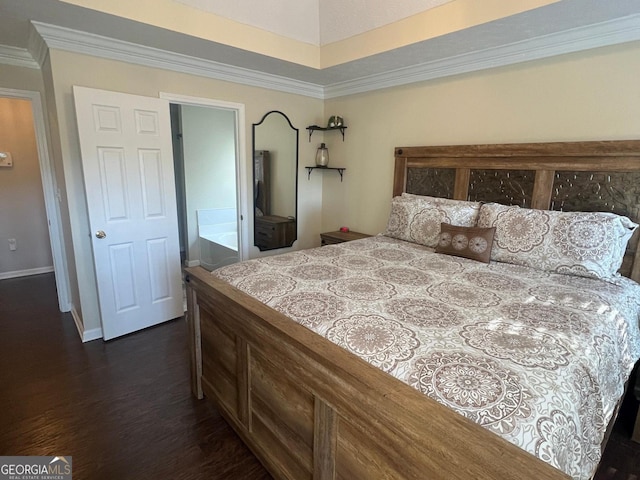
[[587, 244], [469, 242], [417, 219]]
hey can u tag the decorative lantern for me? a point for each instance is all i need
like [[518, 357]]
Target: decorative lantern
[[322, 156]]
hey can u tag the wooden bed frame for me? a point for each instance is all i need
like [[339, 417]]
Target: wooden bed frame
[[309, 409]]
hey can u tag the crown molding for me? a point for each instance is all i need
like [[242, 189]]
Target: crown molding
[[37, 46], [19, 57], [90, 44], [621, 30], [625, 29]]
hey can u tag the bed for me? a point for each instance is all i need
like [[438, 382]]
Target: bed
[[274, 340]]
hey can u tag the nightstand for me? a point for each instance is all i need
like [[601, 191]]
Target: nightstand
[[329, 238], [273, 231]]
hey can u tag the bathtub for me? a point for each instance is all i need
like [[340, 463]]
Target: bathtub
[[218, 238], [224, 234]]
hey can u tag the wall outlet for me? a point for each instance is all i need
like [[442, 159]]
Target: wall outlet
[[12, 244], [5, 159]]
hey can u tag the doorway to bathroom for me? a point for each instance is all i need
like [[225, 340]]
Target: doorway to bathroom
[[209, 182]]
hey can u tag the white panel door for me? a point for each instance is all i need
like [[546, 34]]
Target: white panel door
[[127, 160]]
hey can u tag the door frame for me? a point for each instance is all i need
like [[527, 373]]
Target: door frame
[[51, 194], [242, 186]]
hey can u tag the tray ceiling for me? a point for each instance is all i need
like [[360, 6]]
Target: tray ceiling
[[318, 22], [373, 59]]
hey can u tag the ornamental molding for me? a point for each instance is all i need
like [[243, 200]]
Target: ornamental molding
[[45, 36]]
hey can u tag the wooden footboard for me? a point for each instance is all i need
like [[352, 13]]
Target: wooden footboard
[[635, 436], [309, 409]]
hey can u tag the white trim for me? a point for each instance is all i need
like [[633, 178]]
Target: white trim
[[78, 321], [199, 101], [93, 334], [25, 273], [192, 263], [244, 182], [242, 179], [85, 336], [19, 57], [37, 46], [621, 30], [49, 187], [111, 48], [613, 32]]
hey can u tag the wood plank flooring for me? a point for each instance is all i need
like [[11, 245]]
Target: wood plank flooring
[[123, 409]]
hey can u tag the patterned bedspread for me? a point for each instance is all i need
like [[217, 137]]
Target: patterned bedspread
[[537, 358]]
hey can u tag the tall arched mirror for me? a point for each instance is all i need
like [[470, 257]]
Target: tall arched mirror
[[275, 181]]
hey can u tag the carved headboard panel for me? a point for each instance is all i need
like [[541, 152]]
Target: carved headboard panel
[[574, 176]]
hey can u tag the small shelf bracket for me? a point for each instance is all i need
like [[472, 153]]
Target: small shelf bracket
[[340, 170], [313, 128]]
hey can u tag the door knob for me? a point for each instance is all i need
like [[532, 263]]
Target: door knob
[[100, 234]]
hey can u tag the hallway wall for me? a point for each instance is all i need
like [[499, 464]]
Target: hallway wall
[[22, 210]]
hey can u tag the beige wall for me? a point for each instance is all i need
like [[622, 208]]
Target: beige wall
[[585, 96], [22, 210], [592, 95], [68, 69]]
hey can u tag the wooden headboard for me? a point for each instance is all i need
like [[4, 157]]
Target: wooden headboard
[[574, 176]]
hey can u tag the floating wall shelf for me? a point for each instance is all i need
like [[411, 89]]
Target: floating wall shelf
[[313, 128], [339, 169]]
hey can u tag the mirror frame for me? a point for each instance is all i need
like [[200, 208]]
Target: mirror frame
[[253, 192]]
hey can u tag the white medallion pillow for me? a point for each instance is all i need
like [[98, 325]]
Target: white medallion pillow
[[417, 219], [587, 244]]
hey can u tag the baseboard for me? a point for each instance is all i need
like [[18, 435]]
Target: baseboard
[[88, 335], [93, 334], [77, 320], [25, 273], [193, 263]]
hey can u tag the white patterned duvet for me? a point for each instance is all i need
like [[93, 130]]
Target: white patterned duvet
[[538, 358]]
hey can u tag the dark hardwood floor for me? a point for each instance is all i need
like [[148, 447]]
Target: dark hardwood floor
[[123, 409], [621, 458]]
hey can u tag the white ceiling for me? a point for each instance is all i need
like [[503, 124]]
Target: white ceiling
[[296, 19], [341, 19], [560, 27], [318, 22]]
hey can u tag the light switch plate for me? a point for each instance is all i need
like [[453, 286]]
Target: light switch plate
[[5, 159]]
